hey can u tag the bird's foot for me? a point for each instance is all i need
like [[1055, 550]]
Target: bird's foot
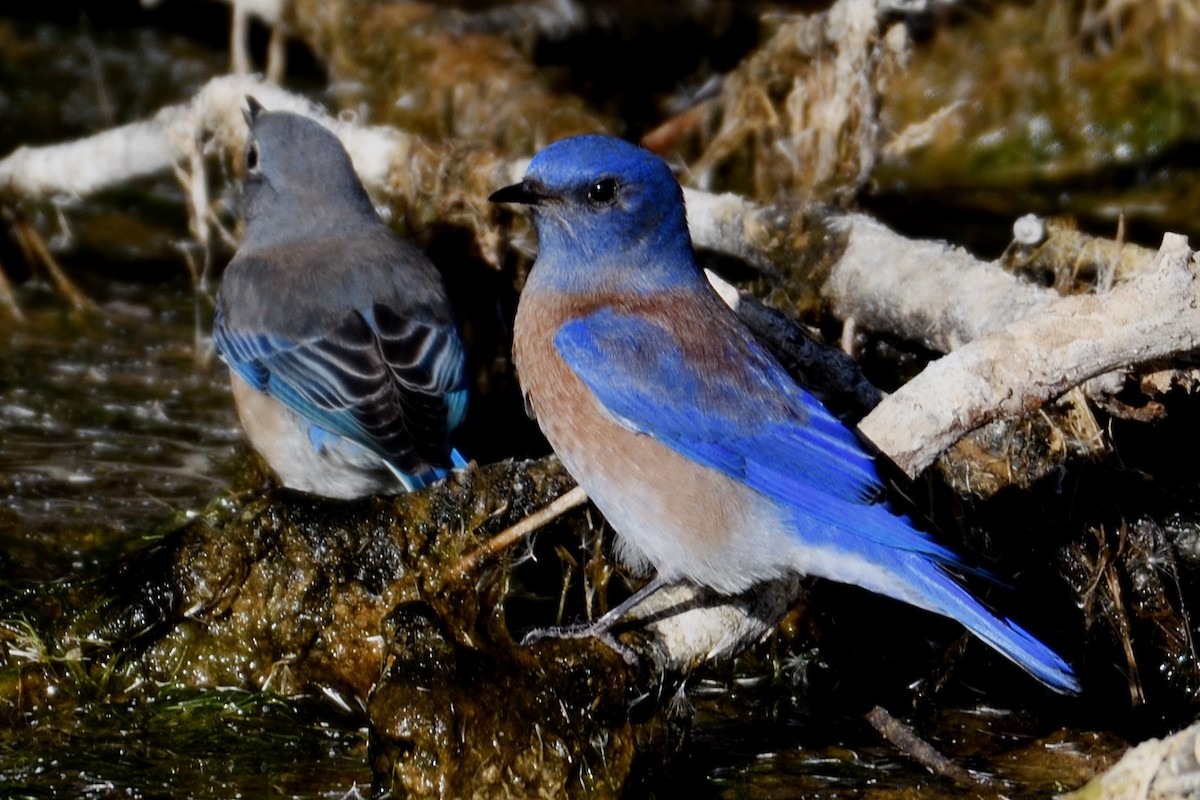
[[600, 630]]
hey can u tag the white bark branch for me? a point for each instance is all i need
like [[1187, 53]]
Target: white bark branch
[[928, 292], [213, 118], [1017, 368], [689, 625]]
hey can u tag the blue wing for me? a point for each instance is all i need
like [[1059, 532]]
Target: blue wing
[[394, 385], [736, 410]]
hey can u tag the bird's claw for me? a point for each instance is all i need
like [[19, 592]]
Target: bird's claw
[[585, 630]]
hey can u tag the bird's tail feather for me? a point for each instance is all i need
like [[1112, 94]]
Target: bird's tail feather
[[412, 482], [947, 597]]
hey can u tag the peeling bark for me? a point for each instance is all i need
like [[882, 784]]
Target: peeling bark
[[1016, 369]]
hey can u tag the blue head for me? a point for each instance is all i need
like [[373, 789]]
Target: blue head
[[299, 180], [609, 215]]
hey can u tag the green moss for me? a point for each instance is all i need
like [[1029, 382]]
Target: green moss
[[1044, 116]]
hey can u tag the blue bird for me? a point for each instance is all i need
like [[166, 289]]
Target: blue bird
[[348, 371], [711, 464]]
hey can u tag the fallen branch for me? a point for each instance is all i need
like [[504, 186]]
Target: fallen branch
[[931, 293], [212, 120], [687, 625], [1016, 369]]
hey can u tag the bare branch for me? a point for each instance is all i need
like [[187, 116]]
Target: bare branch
[[930, 292], [688, 624], [1016, 369], [213, 118]]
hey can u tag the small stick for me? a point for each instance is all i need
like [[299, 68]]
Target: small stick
[[36, 247], [667, 135], [8, 299], [511, 535], [909, 742]]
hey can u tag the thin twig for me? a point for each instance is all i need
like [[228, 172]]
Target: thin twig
[[8, 299], [909, 742], [510, 536], [1137, 695], [37, 249]]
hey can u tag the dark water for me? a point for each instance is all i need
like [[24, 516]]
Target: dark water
[[111, 425], [113, 428]]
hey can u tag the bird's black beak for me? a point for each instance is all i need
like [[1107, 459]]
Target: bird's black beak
[[517, 193]]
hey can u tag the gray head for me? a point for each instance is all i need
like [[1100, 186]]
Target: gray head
[[299, 179]]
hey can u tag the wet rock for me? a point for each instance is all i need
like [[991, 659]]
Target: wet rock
[[290, 592], [488, 719]]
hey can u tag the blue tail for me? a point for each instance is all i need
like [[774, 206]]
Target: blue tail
[[432, 475], [944, 595], [883, 553]]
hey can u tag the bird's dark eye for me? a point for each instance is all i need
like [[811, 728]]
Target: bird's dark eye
[[252, 158], [602, 192]]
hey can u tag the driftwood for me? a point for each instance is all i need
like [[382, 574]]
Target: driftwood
[[1017, 368], [1157, 769]]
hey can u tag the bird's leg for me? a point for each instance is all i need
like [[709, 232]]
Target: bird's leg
[[602, 628]]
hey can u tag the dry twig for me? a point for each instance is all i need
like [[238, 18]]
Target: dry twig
[[515, 533], [909, 742]]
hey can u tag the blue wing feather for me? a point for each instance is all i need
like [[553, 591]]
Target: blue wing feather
[[345, 380], [795, 451]]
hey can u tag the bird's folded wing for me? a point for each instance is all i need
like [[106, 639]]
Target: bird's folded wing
[[744, 417], [428, 361], [391, 384]]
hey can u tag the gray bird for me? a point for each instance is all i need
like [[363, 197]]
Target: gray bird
[[347, 367]]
